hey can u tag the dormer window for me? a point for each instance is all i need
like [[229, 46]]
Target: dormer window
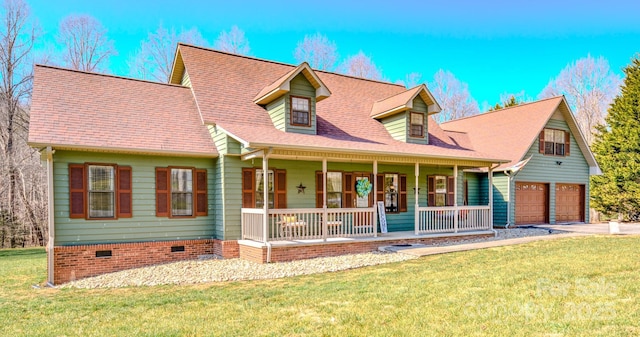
[[416, 129], [300, 111]]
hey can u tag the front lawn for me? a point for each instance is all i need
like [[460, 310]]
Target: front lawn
[[577, 286]]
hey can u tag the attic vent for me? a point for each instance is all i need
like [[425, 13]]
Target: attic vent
[[103, 253], [177, 249]]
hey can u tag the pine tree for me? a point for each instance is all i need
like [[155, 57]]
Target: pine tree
[[617, 150]]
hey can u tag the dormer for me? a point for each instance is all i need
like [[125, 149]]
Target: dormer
[[291, 100], [404, 115]]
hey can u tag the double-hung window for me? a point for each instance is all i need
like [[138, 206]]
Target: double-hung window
[[391, 192], [99, 191], [260, 188], [554, 142], [300, 111], [416, 124], [440, 191], [334, 189], [181, 192], [102, 203]]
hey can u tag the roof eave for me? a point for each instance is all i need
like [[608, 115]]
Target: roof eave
[[153, 152]]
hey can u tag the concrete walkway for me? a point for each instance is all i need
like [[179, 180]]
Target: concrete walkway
[[424, 251]]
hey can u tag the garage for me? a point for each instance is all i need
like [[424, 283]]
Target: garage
[[532, 203], [569, 203]]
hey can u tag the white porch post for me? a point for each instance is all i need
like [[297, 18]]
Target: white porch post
[[265, 196], [455, 199], [375, 197], [325, 217], [416, 216], [490, 198]]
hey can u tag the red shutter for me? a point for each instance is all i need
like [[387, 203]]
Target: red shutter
[[124, 209], [403, 193], [77, 191], [281, 189], [319, 189], [348, 190], [567, 142], [541, 142], [380, 187], [248, 188], [162, 191], [431, 191], [451, 195], [202, 206]]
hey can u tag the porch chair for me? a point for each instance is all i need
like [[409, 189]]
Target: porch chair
[[291, 227]]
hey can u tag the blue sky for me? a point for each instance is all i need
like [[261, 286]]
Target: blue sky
[[494, 46]]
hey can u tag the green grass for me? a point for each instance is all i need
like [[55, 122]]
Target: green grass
[[585, 286]]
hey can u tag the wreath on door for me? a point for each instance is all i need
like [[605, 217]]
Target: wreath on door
[[363, 187]]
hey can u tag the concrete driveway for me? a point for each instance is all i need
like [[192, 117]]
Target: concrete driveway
[[595, 228]]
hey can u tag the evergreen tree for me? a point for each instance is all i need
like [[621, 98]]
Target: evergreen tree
[[617, 150]]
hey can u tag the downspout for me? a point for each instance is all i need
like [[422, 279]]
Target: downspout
[[506, 226], [50, 218]]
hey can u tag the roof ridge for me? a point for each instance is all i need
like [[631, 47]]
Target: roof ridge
[[398, 94], [503, 109], [287, 64], [108, 75]]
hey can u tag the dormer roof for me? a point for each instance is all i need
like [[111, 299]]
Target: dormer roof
[[282, 85], [404, 101]]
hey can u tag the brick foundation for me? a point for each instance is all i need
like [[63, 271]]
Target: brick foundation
[[298, 252]]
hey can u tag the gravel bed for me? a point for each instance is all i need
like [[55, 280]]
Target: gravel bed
[[217, 270]]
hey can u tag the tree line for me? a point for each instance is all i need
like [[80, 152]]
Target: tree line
[[588, 83]]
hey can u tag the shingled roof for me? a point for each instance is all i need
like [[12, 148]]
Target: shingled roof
[[79, 110], [226, 85], [510, 132]]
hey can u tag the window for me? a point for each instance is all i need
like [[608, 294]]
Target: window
[[554, 142], [102, 190], [99, 191], [181, 192], [334, 189], [440, 191], [416, 124], [253, 188], [300, 111], [391, 192], [260, 189]]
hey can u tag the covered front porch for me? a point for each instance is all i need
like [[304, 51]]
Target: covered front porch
[[405, 196]]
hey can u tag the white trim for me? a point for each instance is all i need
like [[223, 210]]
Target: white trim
[[50, 217]]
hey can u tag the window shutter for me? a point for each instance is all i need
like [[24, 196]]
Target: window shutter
[[348, 190], [124, 209], [465, 193], [567, 141], [162, 191], [281, 189], [77, 191], [248, 188], [451, 195], [431, 191], [202, 207], [403, 193], [380, 187], [319, 189], [541, 142]]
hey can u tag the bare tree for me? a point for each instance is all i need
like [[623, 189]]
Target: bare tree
[[411, 80], [589, 86], [22, 197], [155, 56], [318, 51], [233, 42], [453, 96], [86, 46], [361, 65]]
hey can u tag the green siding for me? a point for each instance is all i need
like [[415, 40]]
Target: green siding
[[473, 188], [574, 169], [144, 225], [418, 106], [276, 111], [301, 87], [396, 125], [500, 198]]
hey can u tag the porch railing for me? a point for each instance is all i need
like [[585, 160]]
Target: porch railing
[[308, 223], [453, 219]]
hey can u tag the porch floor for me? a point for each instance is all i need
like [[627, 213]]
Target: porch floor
[[382, 237]]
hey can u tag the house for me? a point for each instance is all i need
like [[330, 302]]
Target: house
[[243, 157]]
